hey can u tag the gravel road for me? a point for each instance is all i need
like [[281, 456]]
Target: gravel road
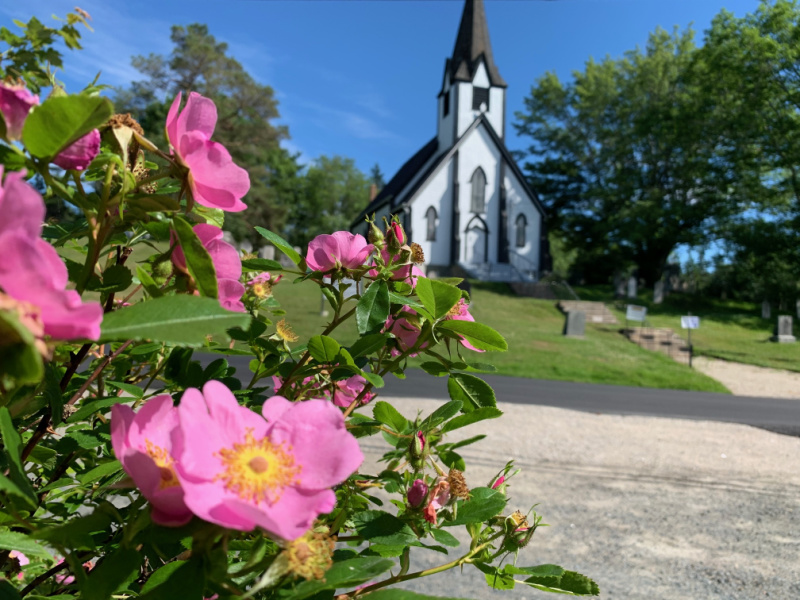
[[651, 508], [749, 380]]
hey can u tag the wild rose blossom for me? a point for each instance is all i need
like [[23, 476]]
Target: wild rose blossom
[[215, 181], [460, 312], [405, 273], [143, 444], [242, 471], [32, 271], [439, 497], [405, 331], [417, 493], [16, 102], [348, 390], [80, 153], [341, 249], [227, 264]]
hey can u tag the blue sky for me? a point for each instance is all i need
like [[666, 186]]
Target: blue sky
[[360, 78]]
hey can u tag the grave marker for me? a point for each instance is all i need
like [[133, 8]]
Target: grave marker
[[575, 325], [632, 287], [658, 292], [784, 333], [765, 310]]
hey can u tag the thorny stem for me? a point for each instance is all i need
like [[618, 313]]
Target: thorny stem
[[416, 575]]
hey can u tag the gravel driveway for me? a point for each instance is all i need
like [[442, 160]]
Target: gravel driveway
[[651, 508], [750, 380]]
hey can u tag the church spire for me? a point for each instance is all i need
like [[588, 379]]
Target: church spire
[[473, 43]]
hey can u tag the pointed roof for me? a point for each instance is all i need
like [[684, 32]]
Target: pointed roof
[[472, 43]]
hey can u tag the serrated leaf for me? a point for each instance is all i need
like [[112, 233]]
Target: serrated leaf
[[61, 120], [472, 391], [479, 335], [100, 471], [444, 412], [479, 414], [375, 379], [148, 283], [368, 344], [372, 309], [13, 540], [129, 388], [96, 406], [181, 320], [261, 264], [114, 572], [281, 244], [434, 368], [444, 537], [388, 415], [185, 580], [483, 504], [323, 349], [13, 448], [437, 297], [198, 260], [344, 574], [381, 527]]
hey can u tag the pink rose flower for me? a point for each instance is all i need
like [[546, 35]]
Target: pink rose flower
[[16, 102], [227, 264], [460, 312], [242, 471], [404, 331], [80, 153], [143, 444], [406, 273], [341, 249], [32, 271], [21, 559], [214, 179], [417, 493], [348, 390], [440, 496]]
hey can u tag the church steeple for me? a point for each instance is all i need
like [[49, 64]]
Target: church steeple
[[472, 43]]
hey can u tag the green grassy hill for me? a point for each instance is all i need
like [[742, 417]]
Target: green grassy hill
[[536, 347]]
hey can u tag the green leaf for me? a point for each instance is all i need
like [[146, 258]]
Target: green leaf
[[115, 571], [12, 489], [483, 504], [116, 278], [323, 349], [7, 591], [180, 579], [344, 574], [133, 390], [96, 406], [60, 120], [261, 264], [552, 578], [100, 471], [375, 379], [434, 368], [77, 532], [12, 540], [148, 203], [148, 283], [198, 260], [281, 244], [479, 414], [368, 344], [477, 334], [19, 358], [388, 415], [444, 412], [396, 298], [182, 320], [444, 537], [13, 449], [437, 297], [372, 309], [383, 528], [472, 391]]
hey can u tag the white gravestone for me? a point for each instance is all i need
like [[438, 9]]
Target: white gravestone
[[619, 285], [632, 287], [575, 325], [267, 252], [784, 332], [658, 293], [765, 310]]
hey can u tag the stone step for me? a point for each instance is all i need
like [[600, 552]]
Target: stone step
[[660, 339]]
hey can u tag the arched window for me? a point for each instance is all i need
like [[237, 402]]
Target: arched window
[[478, 191], [521, 223], [431, 217]]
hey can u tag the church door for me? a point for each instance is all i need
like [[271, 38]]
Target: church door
[[476, 242]]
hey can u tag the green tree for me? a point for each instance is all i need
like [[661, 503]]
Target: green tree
[[333, 190], [246, 109], [376, 177], [623, 160]]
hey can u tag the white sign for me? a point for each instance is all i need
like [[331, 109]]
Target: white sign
[[690, 322], [636, 313]]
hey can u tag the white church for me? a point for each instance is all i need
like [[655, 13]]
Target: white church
[[462, 196]]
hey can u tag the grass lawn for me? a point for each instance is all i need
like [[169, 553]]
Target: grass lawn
[[536, 347], [729, 330]]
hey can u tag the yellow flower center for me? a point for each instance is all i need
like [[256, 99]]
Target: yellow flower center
[[310, 555], [258, 470], [262, 290], [285, 331], [165, 464]]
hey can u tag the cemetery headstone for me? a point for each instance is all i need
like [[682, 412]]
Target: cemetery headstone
[[246, 246], [658, 292], [619, 285], [765, 310], [798, 309], [267, 252], [632, 287], [784, 333], [575, 326]]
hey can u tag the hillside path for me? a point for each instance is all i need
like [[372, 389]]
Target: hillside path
[[749, 380]]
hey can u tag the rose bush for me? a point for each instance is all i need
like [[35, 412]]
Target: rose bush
[[137, 461]]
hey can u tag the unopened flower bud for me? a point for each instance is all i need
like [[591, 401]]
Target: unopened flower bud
[[417, 447], [375, 235], [395, 237], [162, 270], [417, 493]]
